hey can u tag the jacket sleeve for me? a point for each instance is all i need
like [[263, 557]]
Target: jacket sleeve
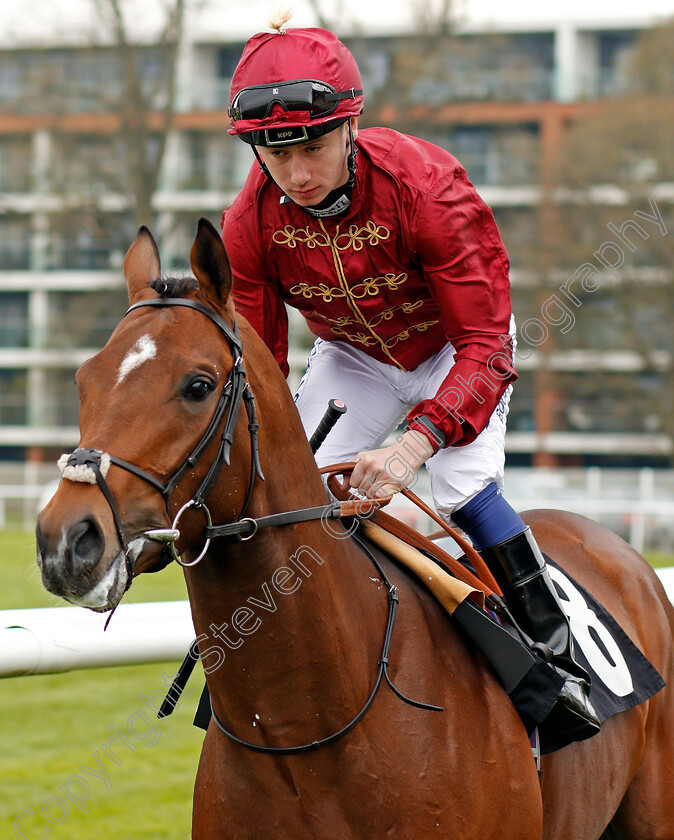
[[466, 268], [256, 295]]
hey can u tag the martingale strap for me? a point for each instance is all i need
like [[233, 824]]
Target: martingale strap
[[382, 673]]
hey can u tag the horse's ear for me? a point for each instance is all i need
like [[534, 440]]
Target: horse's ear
[[141, 265], [210, 263]]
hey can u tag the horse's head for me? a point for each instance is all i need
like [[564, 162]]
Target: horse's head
[[153, 406]]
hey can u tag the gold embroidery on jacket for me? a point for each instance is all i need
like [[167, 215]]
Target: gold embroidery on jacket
[[369, 341], [344, 320], [358, 338], [356, 237], [370, 286], [405, 334], [349, 295], [290, 236]]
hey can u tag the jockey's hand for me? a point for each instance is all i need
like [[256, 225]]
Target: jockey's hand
[[382, 472]]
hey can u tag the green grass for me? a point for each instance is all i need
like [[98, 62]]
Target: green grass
[[52, 725], [659, 560]]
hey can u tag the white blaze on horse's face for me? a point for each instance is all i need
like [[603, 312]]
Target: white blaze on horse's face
[[142, 351]]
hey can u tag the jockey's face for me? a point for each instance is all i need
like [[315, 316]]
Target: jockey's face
[[307, 172]]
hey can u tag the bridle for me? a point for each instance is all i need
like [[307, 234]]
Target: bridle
[[91, 465], [235, 391]]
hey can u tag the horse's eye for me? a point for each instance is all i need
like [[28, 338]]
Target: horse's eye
[[198, 389]]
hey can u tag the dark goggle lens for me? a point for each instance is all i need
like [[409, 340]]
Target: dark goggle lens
[[256, 103]]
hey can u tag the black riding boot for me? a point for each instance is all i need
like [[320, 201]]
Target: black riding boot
[[521, 570]]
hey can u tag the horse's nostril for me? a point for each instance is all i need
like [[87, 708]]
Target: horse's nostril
[[85, 543]]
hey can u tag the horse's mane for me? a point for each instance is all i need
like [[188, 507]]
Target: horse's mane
[[174, 287]]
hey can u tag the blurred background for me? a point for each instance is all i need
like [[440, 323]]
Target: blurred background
[[112, 115]]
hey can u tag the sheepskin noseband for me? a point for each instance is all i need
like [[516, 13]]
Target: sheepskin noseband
[[79, 465]]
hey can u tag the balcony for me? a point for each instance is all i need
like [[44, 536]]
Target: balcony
[[530, 85], [210, 94], [600, 83]]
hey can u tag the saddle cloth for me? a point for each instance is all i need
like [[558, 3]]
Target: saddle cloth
[[622, 677]]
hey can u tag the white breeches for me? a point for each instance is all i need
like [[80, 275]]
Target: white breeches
[[378, 396]]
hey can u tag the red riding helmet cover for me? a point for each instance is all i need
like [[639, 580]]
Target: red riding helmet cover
[[291, 55]]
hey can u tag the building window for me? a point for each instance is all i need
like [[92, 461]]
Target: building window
[[493, 156], [615, 52], [13, 401], [10, 80], [78, 319], [519, 227], [15, 164], [61, 400], [228, 58], [93, 241], [474, 68], [14, 319], [14, 243], [88, 165]]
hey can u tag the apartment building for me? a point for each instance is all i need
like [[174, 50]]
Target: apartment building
[[597, 388]]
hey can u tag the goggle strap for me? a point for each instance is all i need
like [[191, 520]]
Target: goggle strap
[[351, 93]]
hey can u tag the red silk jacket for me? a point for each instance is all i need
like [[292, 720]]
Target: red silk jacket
[[416, 261]]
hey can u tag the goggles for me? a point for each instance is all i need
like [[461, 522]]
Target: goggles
[[318, 98]]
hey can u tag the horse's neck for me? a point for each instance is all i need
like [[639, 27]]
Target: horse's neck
[[290, 624], [289, 613]]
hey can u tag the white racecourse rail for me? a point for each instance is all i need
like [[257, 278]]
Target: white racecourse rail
[[55, 639]]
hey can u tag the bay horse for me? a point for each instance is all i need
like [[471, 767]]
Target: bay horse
[[291, 618]]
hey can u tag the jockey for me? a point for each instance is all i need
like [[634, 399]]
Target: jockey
[[384, 246]]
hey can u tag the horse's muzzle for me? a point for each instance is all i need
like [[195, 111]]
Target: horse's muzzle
[[74, 565]]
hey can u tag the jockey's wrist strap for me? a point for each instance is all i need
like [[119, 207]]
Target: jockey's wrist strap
[[427, 427]]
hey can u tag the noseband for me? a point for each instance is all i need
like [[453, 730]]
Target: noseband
[[91, 465]]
